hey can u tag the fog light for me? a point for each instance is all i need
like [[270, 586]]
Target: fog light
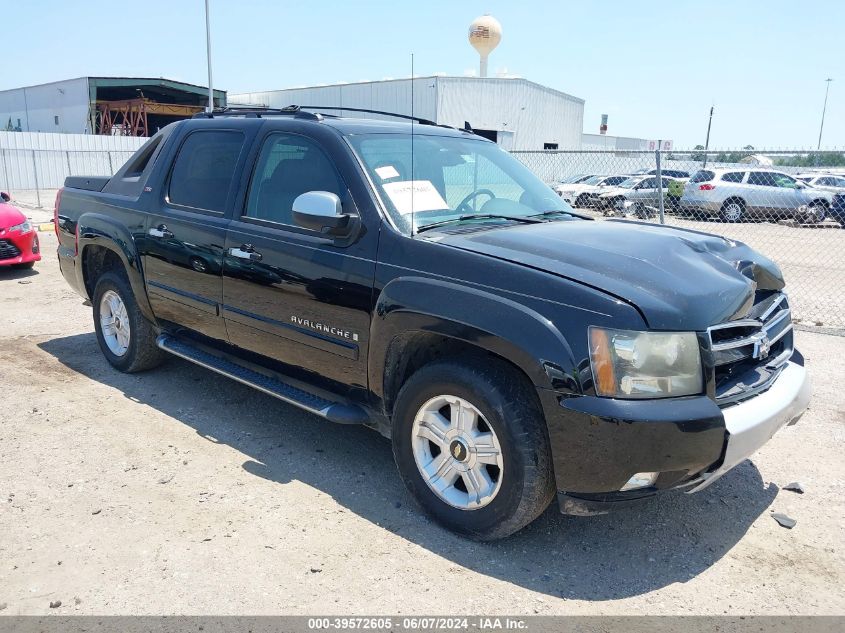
[[640, 480]]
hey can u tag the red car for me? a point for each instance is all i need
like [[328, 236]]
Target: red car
[[18, 238]]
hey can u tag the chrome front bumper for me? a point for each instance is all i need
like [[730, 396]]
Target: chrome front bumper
[[752, 423]]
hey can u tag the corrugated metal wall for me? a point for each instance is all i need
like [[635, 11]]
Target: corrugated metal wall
[[388, 96], [30, 160], [534, 114], [528, 113], [39, 107]]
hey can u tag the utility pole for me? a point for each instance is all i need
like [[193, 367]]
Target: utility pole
[[824, 109], [210, 106], [707, 140]]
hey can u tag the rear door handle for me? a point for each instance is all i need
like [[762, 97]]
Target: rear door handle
[[160, 231], [246, 251]]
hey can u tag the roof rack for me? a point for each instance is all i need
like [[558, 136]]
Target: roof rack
[[253, 112], [407, 117], [300, 112]]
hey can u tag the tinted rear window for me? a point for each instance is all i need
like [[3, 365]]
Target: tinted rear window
[[204, 169], [702, 175], [733, 176]]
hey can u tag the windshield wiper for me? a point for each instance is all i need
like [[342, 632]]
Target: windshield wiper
[[548, 214], [480, 216]]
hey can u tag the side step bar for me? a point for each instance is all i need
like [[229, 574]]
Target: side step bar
[[333, 411]]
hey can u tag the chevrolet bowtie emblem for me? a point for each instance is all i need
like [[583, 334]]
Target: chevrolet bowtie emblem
[[762, 347]]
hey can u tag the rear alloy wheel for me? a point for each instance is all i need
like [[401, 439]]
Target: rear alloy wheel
[[471, 445], [126, 338], [732, 211], [114, 323]]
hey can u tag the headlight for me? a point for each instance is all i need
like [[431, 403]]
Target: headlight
[[631, 364], [23, 227]]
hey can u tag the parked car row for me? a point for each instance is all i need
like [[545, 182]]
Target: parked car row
[[620, 194], [728, 193]]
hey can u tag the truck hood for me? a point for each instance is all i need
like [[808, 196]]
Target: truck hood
[[678, 279]]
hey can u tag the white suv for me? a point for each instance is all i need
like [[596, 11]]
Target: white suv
[[734, 194]]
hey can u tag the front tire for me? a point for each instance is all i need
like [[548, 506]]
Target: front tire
[[126, 338], [471, 446], [816, 213]]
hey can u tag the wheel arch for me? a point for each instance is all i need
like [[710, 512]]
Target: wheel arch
[[105, 244], [455, 320]]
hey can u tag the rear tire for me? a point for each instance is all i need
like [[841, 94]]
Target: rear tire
[[502, 424], [732, 211], [126, 338]]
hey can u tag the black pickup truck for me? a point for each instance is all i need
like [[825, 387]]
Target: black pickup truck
[[419, 280]]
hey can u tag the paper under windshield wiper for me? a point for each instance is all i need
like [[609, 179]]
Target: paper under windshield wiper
[[480, 216]]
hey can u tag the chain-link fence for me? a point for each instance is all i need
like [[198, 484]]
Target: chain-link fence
[[788, 205]]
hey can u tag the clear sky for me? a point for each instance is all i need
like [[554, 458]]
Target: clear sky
[[654, 67]]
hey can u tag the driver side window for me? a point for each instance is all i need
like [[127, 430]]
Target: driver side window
[[288, 166]]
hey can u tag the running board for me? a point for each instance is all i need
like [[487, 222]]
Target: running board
[[333, 411]]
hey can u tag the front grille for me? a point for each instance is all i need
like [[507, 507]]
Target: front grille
[[8, 250], [748, 354]]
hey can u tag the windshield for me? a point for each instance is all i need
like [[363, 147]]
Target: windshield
[[629, 184], [452, 177]]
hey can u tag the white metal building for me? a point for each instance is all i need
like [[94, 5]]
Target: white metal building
[[76, 106], [516, 113], [600, 142]]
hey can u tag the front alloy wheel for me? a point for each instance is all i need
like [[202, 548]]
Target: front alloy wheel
[[470, 442], [457, 452]]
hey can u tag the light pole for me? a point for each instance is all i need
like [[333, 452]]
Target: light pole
[[824, 109], [707, 140], [210, 106]]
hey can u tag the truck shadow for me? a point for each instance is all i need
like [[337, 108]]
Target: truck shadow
[[632, 552]]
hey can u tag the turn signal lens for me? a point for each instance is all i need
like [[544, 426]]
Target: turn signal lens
[[602, 360]]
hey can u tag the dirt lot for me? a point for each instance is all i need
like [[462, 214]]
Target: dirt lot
[[178, 491]]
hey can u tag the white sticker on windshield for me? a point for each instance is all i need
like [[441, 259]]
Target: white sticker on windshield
[[387, 172], [414, 196]]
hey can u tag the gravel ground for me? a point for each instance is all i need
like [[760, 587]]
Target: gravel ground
[[180, 492]]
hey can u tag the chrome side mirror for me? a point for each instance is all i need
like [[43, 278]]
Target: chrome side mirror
[[322, 211]]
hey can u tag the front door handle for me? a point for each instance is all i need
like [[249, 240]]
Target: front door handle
[[160, 231], [246, 251]]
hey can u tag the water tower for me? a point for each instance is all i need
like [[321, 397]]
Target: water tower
[[485, 33]]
